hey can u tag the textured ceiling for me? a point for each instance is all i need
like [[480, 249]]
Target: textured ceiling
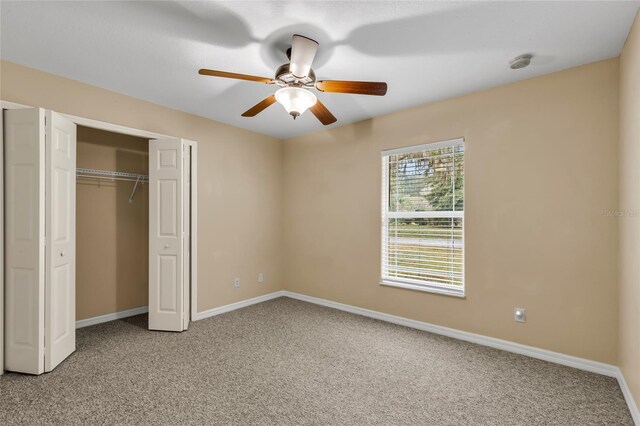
[[426, 51]]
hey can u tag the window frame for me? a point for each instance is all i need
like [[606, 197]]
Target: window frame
[[408, 283]]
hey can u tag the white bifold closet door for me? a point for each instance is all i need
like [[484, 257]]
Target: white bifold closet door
[[40, 192], [168, 284], [60, 254]]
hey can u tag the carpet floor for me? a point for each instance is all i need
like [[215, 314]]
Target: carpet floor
[[294, 363]]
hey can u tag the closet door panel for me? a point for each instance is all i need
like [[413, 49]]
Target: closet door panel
[[60, 254], [24, 240], [186, 233], [167, 276], [166, 298]]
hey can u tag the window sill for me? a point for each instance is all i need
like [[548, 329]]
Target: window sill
[[426, 288]]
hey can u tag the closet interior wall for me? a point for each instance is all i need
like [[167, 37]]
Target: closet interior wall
[[112, 263]]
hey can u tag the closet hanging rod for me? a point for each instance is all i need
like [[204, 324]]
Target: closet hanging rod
[[110, 179]]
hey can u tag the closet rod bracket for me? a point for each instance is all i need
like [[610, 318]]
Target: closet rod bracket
[[133, 191]]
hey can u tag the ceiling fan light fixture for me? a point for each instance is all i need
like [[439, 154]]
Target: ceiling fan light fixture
[[295, 100]]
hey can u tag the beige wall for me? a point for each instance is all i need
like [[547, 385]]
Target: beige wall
[[239, 179], [630, 206], [112, 235], [541, 170]]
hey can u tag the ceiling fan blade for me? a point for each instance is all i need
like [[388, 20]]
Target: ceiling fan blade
[[303, 50], [260, 106], [322, 113], [354, 87], [237, 76]]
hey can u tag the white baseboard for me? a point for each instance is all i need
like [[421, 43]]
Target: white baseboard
[[633, 407], [558, 358], [543, 354], [111, 317], [233, 306]]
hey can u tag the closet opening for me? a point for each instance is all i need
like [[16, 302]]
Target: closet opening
[[112, 225]]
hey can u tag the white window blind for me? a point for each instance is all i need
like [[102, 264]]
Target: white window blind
[[422, 217]]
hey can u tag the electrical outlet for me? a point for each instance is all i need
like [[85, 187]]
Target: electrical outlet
[[260, 277], [519, 315], [236, 282]]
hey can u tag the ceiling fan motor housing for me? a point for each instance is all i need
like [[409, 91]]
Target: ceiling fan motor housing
[[284, 77]]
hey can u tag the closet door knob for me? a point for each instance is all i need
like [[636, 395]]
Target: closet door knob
[[166, 246], [61, 254]]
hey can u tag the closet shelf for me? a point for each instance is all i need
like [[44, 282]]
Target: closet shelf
[[113, 176]]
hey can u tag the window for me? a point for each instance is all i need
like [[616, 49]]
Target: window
[[422, 217]]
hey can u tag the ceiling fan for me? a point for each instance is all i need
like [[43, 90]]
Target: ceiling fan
[[296, 79]]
